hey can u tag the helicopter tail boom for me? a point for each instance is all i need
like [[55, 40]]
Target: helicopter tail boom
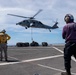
[[55, 26]]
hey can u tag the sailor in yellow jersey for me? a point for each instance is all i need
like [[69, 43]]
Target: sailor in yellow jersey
[[3, 44]]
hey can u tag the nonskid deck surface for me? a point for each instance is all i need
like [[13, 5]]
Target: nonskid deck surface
[[35, 61]]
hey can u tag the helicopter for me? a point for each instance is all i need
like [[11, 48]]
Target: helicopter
[[31, 22]]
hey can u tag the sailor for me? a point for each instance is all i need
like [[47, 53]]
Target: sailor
[[3, 44], [69, 34]]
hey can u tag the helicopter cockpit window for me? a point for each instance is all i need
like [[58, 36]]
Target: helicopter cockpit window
[[40, 22], [24, 21]]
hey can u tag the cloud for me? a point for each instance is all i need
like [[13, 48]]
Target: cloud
[[52, 10]]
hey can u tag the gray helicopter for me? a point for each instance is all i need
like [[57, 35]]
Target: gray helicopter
[[31, 22]]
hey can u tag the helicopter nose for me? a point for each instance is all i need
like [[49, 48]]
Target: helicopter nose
[[19, 23], [16, 23]]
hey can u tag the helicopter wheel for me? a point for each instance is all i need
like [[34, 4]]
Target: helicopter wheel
[[25, 27]]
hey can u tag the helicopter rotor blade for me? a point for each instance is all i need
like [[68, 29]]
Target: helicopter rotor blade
[[18, 16], [37, 13], [26, 17]]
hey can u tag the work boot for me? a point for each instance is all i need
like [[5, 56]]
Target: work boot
[[0, 59], [65, 73], [6, 60]]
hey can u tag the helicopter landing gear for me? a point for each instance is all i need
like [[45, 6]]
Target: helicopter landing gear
[[25, 27]]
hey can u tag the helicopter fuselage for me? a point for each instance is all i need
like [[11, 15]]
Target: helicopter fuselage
[[34, 24]]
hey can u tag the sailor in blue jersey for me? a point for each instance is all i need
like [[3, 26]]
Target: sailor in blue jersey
[[69, 34]]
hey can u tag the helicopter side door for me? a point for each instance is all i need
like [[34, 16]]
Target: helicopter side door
[[37, 24]]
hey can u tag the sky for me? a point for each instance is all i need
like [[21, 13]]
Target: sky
[[52, 10]]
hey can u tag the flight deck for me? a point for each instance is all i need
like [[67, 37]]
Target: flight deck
[[35, 61]]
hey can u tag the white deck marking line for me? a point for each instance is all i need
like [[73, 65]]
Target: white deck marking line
[[31, 60], [43, 58], [13, 57], [58, 50], [63, 52], [53, 68]]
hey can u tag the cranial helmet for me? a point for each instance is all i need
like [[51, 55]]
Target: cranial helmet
[[69, 18]]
